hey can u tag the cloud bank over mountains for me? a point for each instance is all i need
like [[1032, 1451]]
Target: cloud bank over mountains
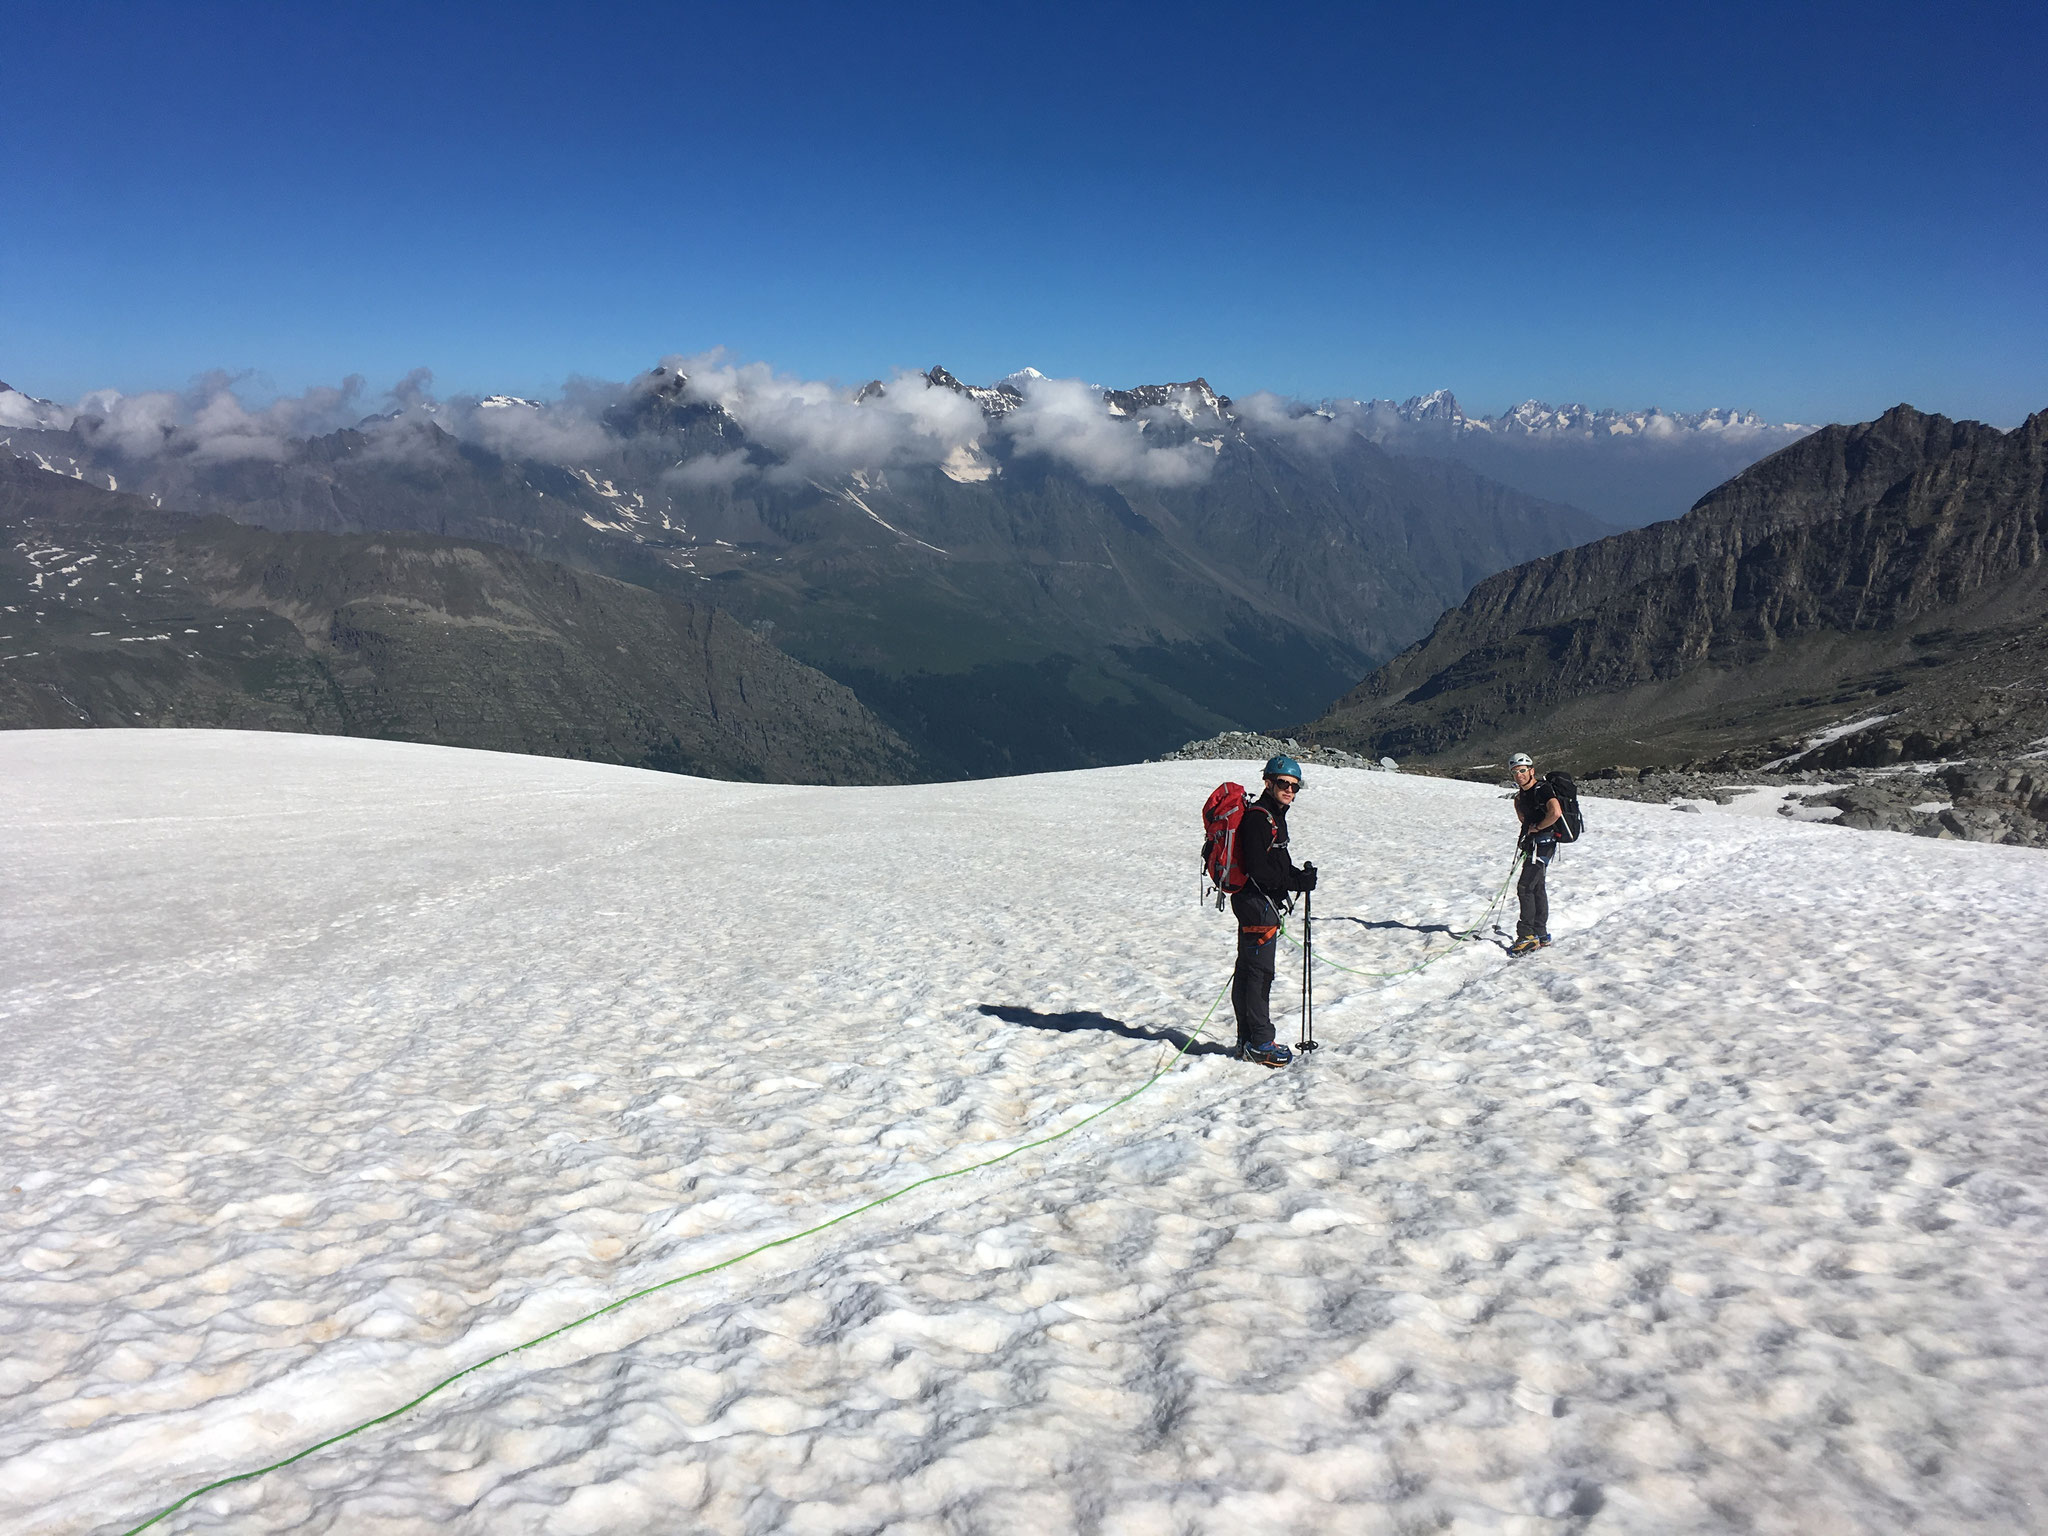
[[778, 428], [793, 428], [208, 419]]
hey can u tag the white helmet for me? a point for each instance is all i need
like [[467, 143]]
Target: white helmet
[[1521, 760]]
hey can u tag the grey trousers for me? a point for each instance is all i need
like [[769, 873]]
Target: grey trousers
[[1251, 984], [1535, 896]]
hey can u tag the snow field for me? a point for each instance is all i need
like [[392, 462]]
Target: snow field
[[335, 1066]]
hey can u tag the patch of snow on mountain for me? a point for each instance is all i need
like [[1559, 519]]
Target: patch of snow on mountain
[[966, 465], [335, 1066]]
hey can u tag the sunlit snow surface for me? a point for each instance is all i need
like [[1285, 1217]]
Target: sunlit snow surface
[[334, 1066]]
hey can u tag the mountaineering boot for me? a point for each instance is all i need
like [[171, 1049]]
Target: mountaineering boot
[[1527, 944], [1274, 1055], [1543, 941]]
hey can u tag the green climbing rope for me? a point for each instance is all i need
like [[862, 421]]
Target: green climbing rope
[[695, 1274], [780, 1242]]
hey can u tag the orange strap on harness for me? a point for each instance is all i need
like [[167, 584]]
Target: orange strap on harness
[[1265, 934]]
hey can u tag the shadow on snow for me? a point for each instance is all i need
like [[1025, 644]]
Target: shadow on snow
[[1071, 1023]]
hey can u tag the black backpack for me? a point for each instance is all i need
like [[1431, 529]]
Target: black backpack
[[1573, 826]]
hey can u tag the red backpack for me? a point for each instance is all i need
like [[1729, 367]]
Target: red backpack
[[1222, 813]]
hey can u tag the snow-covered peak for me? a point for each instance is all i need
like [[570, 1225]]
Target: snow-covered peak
[[1540, 419], [997, 400], [1439, 405], [1191, 401], [507, 402]]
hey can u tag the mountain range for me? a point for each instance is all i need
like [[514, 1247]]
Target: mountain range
[[1631, 468], [1026, 575], [1891, 571]]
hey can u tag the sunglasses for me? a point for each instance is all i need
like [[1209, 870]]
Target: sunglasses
[[1292, 786]]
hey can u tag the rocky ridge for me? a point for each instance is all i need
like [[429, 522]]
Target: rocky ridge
[[1539, 418], [1898, 563], [1986, 800], [1243, 745]]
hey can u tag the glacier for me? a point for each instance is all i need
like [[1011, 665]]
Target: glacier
[[335, 1066]]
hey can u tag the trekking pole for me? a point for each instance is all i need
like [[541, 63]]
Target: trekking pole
[[1308, 996]]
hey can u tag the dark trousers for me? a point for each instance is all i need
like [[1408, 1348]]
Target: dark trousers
[[1535, 921], [1251, 984]]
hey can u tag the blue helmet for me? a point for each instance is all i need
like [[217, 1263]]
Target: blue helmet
[[1275, 766]]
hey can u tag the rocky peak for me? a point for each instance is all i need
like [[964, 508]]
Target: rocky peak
[[1438, 406], [658, 402], [666, 383], [998, 400], [1191, 401]]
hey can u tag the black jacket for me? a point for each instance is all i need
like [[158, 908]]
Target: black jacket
[[1532, 805], [1262, 848]]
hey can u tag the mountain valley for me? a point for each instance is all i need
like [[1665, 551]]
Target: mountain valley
[[1016, 577]]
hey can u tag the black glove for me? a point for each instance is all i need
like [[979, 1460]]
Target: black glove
[[1306, 881]]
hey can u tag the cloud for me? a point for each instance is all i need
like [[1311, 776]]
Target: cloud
[[795, 429], [210, 421], [1068, 421], [413, 391], [821, 431], [20, 410], [1318, 429], [563, 432]]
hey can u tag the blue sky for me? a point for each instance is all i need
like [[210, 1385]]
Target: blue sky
[[1812, 211]]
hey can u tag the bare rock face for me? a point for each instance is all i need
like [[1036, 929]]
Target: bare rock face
[[1857, 563]]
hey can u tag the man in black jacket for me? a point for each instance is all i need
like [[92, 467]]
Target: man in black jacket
[[1538, 811], [1269, 875]]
